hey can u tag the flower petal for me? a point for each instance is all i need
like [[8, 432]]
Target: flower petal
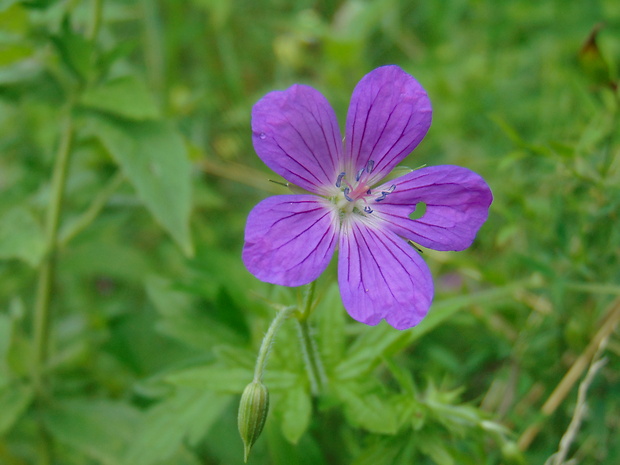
[[290, 239], [381, 276], [295, 132], [457, 204], [389, 115]]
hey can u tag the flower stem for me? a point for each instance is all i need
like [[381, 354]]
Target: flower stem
[[41, 321], [309, 350], [263, 353], [312, 359], [308, 301]]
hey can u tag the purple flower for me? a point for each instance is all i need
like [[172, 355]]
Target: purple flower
[[290, 239]]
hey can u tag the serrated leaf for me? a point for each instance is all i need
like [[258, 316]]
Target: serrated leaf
[[99, 429], [21, 237], [126, 96], [180, 319], [369, 411], [13, 402], [384, 450], [431, 446], [367, 351], [296, 408], [153, 156], [187, 415]]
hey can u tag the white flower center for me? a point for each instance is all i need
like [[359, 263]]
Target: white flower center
[[355, 194]]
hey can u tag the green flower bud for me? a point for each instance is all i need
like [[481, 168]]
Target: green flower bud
[[253, 410]]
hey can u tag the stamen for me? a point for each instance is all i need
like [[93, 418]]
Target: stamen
[[359, 174], [384, 194], [370, 166], [346, 194], [367, 209], [339, 180]]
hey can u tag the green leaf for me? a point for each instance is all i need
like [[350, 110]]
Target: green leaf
[[6, 331], [330, 317], [21, 237], [153, 157], [126, 96], [181, 320], [99, 429], [384, 450], [367, 351], [296, 408], [382, 340], [223, 378], [432, 446], [187, 415], [75, 51], [13, 402], [216, 378], [367, 410]]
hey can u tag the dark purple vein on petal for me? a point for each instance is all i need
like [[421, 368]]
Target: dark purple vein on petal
[[398, 140], [301, 166], [316, 247], [370, 109], [369, 249], [304, 231], [318, 162], [296, 213]]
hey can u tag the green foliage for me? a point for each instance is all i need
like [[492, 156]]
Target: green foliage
[[154, 324]]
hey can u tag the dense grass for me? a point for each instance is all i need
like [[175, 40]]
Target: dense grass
[[129, 326]]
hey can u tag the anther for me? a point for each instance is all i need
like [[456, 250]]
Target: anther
[[370, 166], [384, 194], [368, 192], [367, 209], [339, 180], [359, 174], [346, 194]]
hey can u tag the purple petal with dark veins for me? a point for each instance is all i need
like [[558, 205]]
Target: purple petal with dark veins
[[290, 239], [382, 277], [457, 204], [389, 115], [295, 132]]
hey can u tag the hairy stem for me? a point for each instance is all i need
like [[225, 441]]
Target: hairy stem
[[309, 350], [312, 359], [263, 353]]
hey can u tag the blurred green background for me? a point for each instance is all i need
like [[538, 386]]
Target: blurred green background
[[129, 326]]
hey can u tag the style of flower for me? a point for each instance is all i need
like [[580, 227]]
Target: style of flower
[[290, 239]]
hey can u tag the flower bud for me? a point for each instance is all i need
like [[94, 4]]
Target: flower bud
[[253, 410]]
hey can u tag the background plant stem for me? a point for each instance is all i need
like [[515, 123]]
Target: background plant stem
[[41, 322]]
